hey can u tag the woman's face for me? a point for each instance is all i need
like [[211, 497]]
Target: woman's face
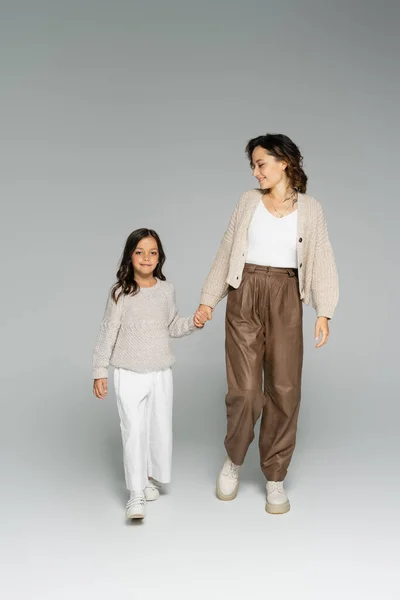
[[267, 169], [145, 257]]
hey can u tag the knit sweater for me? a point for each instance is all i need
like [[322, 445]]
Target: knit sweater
[[318, 278], [135, 332]]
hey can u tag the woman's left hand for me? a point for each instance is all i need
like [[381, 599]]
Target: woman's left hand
[[200, 319], [321, 331]]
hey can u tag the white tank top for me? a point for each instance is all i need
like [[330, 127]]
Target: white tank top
[[272, 240]]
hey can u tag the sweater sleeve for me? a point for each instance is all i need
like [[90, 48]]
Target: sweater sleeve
[[324, 282], [215, 286], [107, 337], [178, 326]]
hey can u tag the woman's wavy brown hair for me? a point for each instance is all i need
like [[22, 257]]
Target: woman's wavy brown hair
[[282, 148], [126, 283]]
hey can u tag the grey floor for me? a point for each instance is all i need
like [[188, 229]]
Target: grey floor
[[64, 535]]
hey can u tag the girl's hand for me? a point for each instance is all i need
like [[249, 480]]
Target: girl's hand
[[200, 318], [321, 331], [100, 388]]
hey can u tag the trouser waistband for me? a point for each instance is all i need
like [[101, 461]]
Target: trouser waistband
[[250, 268]]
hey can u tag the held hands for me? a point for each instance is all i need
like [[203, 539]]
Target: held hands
[[203, 314], [321, 331], [100, 388], [199, 319]]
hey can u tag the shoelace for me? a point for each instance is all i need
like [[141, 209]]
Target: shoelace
[[275, 485], [233, 471], [135, 500]]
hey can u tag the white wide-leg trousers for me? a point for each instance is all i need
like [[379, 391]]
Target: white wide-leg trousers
[[145, 409]]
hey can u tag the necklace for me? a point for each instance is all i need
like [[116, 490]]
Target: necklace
[[277, 211], [292, 196]]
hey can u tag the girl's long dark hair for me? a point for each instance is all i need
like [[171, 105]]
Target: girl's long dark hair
[[126, 283], [281, 147]]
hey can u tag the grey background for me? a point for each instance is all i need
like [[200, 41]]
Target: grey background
[[117, 115]]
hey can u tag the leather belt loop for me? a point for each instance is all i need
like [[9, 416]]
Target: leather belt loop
[[250, 268]]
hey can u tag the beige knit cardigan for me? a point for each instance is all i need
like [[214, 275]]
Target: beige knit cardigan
[[318, 278]]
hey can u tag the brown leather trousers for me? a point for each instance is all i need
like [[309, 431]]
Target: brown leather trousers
[[264, 334]]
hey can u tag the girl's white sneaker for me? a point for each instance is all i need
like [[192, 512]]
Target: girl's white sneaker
[[152, 491], [136, 506]]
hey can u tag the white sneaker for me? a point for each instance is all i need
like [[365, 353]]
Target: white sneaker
[[136, 506], [152, 491], [277, 500], [228, 481]]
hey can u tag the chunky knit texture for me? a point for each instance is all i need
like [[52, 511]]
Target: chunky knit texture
[[318, 278], [135, 333]]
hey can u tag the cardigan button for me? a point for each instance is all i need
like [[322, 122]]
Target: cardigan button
[[300, 239], [301, 264]]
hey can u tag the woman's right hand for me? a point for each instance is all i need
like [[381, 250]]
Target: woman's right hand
[[207, 310], [100, 388]]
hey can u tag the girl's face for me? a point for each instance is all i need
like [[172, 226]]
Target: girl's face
[[145, 257], [267, 169]]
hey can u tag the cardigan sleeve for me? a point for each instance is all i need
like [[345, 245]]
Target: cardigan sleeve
[[215, 286], [324, 282]]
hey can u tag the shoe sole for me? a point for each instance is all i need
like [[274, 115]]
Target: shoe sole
[[225, 498], [277, 509], [135, 516]]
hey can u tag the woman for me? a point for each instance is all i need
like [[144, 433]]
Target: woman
[[274, 255]]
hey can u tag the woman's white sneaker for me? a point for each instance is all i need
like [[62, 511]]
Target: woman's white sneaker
[[228, 481], [277, 500], [152, 491], [136, 506]]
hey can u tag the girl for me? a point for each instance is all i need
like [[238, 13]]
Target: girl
[[139, 319]]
